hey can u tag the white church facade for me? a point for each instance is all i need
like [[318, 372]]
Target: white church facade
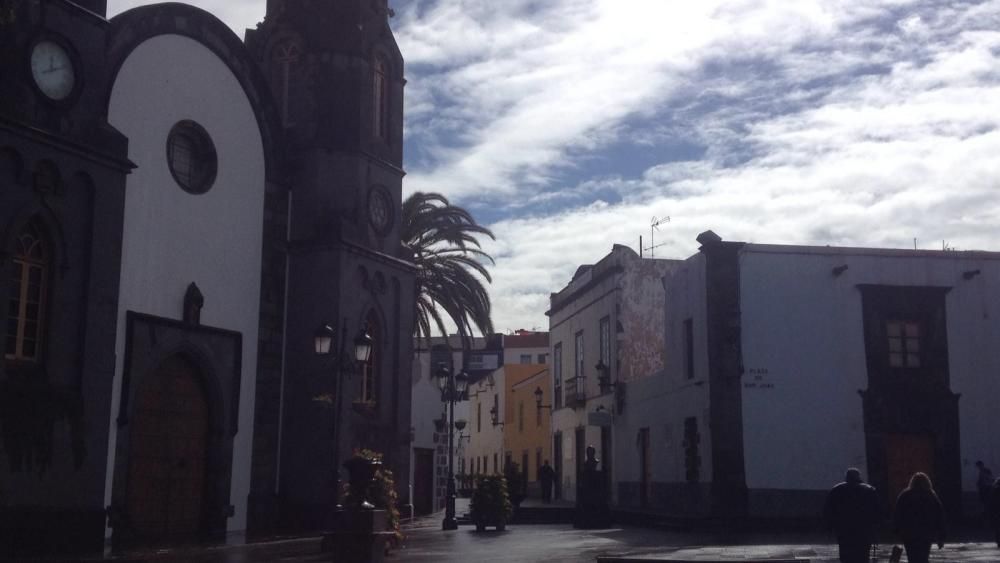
[[179, 211]]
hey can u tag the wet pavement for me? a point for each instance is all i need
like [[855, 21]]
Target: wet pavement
[[560, 543]]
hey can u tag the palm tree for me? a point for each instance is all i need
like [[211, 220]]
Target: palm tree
[[450, 269]]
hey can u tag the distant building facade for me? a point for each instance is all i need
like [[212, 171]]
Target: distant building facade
[[430, 417], [605, 332], [786, 364], [527, 434]]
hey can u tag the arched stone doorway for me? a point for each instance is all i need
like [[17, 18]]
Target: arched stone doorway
[[168, 459]]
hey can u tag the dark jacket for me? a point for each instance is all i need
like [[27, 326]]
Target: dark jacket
[[993, 506], [919, 516], [852, 511]]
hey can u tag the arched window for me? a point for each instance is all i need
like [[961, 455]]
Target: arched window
[[27, 294], [371, 370], [380, 98], [286, 58]]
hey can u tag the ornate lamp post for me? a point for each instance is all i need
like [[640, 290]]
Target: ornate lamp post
[[323, 342], [452, 389]]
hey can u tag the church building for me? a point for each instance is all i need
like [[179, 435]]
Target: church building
[[179, 212]]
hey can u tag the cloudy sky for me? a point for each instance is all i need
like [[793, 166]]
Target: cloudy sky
[[568, 125]]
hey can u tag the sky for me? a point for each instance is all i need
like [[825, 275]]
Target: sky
[[568, 126]]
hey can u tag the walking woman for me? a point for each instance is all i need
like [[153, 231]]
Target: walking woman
[[919, 518]]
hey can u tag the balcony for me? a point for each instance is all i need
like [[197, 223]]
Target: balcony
[[576, 392]]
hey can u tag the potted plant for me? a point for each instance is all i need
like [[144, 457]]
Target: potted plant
[[490, 504], [464, 484], [516, 485], [376, 484]]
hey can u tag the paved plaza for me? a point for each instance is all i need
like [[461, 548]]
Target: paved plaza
[[560, 543]]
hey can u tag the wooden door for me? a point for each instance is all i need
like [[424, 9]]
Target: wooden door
[[423, 480], [905, 455], [645, 467], [557, 460], [606, 455], [168, 444]]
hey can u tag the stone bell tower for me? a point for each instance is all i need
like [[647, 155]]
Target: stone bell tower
[[336, 75]]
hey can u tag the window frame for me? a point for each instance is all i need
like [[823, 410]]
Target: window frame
[[557, 375], [688, 340], [24, 262], [380, 97], [910, 348], [605, 342], [202, 167]]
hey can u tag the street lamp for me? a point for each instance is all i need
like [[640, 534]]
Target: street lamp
[[323, 345], [452, 389], [604, 377], [495, 417], [538, 401]]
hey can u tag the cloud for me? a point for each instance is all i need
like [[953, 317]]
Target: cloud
[[567, 124], [857, 136]]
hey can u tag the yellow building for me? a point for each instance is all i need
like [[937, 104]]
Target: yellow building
[[527, 438]]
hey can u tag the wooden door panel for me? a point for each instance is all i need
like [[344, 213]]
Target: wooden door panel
[[168, 455], [907, 454]]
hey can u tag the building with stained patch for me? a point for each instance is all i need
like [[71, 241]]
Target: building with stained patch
[[784, 365], [605, 331], [179, 212]]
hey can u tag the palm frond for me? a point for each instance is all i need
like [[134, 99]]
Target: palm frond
[[451, 266]]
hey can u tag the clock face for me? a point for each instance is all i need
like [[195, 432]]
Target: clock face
[[52, 69], [380, 210]]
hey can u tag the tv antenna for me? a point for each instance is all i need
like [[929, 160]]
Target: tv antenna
[[654, 225]]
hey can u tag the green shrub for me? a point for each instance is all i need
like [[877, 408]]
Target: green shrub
[[491, 501]]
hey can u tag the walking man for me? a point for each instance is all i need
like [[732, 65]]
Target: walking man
[[852, 511], [547, 476], [993, 509], [984, 483]]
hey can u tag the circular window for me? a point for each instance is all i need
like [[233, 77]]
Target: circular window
[[380, 210], [191, 157]]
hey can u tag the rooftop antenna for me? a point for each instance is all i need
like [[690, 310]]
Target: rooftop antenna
[[654, 225]]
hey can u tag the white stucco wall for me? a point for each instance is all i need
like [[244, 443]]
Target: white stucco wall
[[664, 400], [173, 238], [486, 439], [802, 422], [427, 407]]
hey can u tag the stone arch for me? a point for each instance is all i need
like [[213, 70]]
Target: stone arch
[[151, 344], [133, 27], [41, 213]]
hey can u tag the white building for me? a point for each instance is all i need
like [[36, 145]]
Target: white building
[[429, 414], [787, 364], [605, 327]]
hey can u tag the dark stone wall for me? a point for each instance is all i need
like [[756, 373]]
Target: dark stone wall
[[674, 499], [341, 268], [725, 372], [263, 505], [62, 165], [217, 354], [916, 402], [784, 503]]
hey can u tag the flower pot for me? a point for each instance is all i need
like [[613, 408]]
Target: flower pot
[[361, 475]]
